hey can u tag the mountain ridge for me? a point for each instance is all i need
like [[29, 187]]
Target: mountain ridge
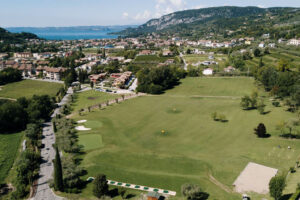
[[210, 17]]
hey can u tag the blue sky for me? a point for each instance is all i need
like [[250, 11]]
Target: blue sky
[[107, 12]]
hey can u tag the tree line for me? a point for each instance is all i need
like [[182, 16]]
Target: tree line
[[155, 80], [9, 75], [14, 116]]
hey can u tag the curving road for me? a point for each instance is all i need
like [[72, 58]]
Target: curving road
[[43, 191]]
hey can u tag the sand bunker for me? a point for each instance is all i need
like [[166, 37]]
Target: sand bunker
[[254, 178], [82, 128], [81, 121]]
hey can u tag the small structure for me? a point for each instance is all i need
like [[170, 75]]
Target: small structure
[[153, 196], [229, 69], [208, 72], [261, 45]]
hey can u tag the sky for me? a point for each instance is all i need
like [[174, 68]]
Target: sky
[[43, 13]]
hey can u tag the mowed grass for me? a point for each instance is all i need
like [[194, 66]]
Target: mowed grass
[[9, 145], [91, 98], [133, 148], [28, 88]]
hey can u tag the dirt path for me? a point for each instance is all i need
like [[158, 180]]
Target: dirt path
[[219, 184], [4, 98], [198, 96]]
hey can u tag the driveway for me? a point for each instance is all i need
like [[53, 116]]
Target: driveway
[[43, 191]]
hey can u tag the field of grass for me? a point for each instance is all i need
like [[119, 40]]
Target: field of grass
[[193, 58], [28, 88], [129, 145], [152, 58], [91, 98], [9, 145]]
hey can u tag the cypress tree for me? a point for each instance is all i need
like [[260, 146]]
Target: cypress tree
[[58, 175], [54, 127], [100, 186]]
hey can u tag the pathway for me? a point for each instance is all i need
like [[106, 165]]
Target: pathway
[[219, 184], [185, 64], [42, 189]]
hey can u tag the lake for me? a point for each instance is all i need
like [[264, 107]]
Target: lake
[[72, 33]]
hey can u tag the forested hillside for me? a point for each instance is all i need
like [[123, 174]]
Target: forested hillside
[[8, 37], [224, 22]]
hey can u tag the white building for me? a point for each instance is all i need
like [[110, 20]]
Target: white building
[[208, 72], [295, 42]]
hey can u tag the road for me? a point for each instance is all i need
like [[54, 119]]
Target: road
[[43, 191], [185, 65]]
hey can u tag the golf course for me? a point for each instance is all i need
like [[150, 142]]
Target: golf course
[[164, 141]]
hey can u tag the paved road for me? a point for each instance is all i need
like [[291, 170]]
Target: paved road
[[43, 191]]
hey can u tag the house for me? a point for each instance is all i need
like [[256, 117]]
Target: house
[[229, 69], [272, 45], [145, 52], [23, 55], [122, 79], [97, 77], [53, 73], [167, 53], [267, 35], [261, 45], [295, 42], [170, 61], [247, 42], [153, 196], [208, 72]]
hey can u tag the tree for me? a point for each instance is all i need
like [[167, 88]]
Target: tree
[[246, 102], [54, 127], [58, 174], [283, 65], [214, 116], [261, 106], [276, 186], [193, 192], [92, 84], [256, 52], [261, 130], [261, 63], [100, 186]]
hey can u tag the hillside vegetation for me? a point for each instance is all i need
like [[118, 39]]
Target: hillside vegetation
[[224, 22]]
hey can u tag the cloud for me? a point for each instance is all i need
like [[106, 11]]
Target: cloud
[[125, 15], [143, 16], [164, 7], [261, 6]]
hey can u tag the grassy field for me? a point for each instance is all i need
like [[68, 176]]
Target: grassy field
[[153, 58], [193, 58], [27, 88], [90, 98], [127, 144], [9, 144]]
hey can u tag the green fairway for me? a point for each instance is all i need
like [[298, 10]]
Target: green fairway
[[9, 145], [91, 98], [168, 140], [28, 88]]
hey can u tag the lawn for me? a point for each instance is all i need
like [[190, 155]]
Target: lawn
[[91, 98], [194, 58], [28, 88], [9, 145], [130, 146]]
